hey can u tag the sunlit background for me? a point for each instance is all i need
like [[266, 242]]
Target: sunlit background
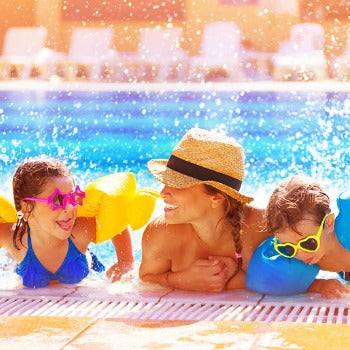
[[255, 40]]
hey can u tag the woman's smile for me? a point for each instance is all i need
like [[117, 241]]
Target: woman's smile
[[170, 207]]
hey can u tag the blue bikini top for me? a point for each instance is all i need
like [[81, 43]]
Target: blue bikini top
[[271, 273], [74, 268]]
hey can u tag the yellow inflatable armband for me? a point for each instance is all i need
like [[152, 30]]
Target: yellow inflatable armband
[[116, 204], [7, 210]]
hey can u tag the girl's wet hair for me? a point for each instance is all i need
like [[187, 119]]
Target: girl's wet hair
[[28, 181], [234, 214], [292, 200]]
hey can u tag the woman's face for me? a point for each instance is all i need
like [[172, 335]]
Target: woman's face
[[304, 228], [186, 205], [57, 223]]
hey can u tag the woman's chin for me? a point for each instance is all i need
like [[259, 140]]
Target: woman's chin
[[169, 218]]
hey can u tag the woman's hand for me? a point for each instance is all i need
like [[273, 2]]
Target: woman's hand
[[210, 275], [229, 262], [234, 280], [329, 289], [116, 271]]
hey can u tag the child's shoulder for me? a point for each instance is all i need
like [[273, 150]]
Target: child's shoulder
[[6, 241], [6, 234]]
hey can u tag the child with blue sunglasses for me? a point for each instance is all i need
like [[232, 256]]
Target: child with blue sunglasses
[[299, 216], [48, 241]]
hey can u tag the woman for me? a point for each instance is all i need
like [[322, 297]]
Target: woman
[[208, 232]]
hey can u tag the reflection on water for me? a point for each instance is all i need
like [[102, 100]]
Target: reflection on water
[[104, 132]]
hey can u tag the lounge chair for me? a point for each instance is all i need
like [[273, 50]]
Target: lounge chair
[[21, 52], [159, 57], [220, 54], [341, 64], [302, 57], [90, 55]]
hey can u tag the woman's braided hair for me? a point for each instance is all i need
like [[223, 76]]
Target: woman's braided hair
[[28, 181], [233, 213]]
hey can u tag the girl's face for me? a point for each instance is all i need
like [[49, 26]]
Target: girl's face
[[186, 205], [304, 229], [57, 223]]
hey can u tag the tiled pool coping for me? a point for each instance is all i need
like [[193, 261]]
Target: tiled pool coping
[[136, 316], [141, 302]]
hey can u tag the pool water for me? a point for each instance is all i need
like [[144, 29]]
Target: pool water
[[99, 133]]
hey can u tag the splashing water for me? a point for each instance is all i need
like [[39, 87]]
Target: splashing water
[[99, 133]]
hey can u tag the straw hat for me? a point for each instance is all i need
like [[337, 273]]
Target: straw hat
[[203, 157]]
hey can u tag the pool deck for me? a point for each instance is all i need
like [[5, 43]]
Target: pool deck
[[83, 333], [141, 316]]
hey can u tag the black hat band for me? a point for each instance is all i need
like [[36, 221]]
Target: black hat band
[[198, 172]]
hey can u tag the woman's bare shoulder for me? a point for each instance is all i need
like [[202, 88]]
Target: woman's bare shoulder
[[254, 221], [254, 215], [159, 233], [158, 228]]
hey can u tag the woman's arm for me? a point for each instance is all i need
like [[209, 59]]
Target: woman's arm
[[155, 261], [233, 281], [203, 275], [159, 246], [237, 281]]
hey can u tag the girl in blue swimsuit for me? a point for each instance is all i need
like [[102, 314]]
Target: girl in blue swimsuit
[[48, 241]]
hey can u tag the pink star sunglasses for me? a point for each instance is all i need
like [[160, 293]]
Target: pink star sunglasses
[[59, 200]]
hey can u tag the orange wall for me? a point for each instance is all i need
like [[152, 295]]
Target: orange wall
[[262, 30]]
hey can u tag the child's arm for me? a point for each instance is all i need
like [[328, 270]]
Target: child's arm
[[123, 248], [329, 289]]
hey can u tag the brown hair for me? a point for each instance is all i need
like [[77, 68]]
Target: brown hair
[[233, 213], [28, 181], [292, 200]]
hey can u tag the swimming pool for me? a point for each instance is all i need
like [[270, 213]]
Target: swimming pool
[[101, 132]]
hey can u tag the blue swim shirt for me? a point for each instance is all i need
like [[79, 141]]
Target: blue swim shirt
[[74, 268]]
